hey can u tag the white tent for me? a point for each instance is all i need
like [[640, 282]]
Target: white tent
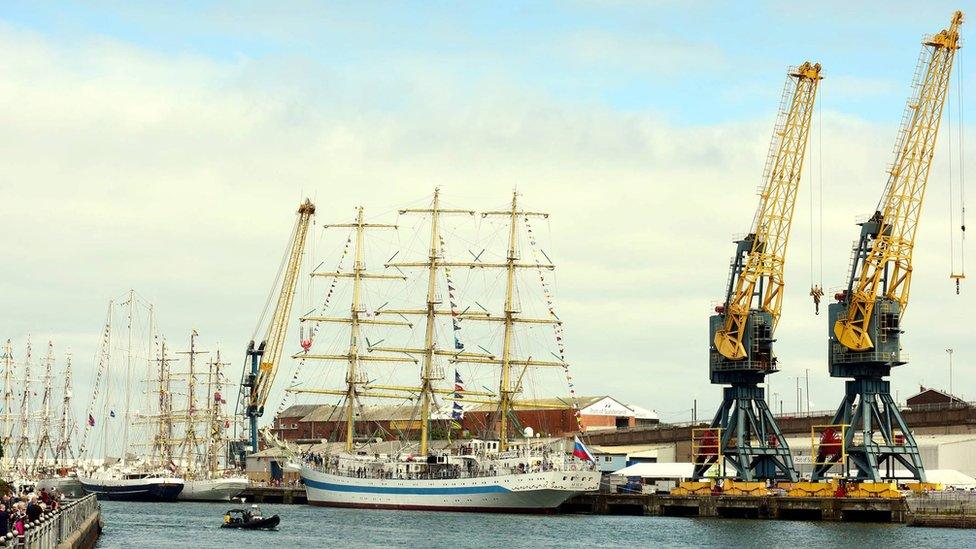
[[945, 477], [658, 470]]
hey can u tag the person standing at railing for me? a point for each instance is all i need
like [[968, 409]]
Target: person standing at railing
[[34, 510], [4, 520], [19, 519]]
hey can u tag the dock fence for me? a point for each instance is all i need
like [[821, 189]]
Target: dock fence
[[52, 528]]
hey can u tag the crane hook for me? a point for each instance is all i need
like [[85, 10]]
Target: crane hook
[[816, 292]]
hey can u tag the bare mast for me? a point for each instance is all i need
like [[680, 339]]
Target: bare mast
[[191, 443], [67, 425], [127, 418], [24, 441], [44, 442], [8, 400]]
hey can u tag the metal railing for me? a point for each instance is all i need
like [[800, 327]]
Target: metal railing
[[53, 527], [947, 503], [939, 406], [704, 422]]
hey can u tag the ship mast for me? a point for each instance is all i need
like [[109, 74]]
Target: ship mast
[[8, 400], [128, 376], [505, 388], [216, 418], [25, 409], [434, 260], [191, 443], [357, 317], [44, 441], [163, 445], [67, 426], [511, 265]]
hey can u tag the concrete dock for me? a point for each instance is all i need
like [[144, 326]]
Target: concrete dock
[[756, 507], [943, 509], [275, 494]]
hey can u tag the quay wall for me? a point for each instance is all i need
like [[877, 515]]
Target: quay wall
[[755, 507]]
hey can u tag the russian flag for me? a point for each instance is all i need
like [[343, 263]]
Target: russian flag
[[581, 451]]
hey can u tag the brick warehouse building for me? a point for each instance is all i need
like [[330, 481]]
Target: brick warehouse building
[[548, 417]]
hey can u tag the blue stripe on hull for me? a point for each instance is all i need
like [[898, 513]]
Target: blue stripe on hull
[[491, 489]]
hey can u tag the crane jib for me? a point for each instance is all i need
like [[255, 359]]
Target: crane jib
[[757, 269], [882, 268]]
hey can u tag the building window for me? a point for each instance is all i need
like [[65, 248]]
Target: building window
[[294, 426]]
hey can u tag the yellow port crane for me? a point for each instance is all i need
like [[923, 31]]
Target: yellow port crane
[[263, 359], [761, 274], [865, 322], [886, 268], [744, 433]]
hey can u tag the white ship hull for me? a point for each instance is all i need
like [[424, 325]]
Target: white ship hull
[[217, 489], [538, 492]]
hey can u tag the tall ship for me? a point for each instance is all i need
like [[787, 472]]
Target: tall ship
[[113, 440], [480, 338], [192, 440], [37, 436], [55, 459]]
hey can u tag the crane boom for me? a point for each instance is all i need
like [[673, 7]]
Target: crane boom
[[265, 357], [761, 274], [886, 266]]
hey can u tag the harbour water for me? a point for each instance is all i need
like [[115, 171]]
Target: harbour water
[[161, 525]]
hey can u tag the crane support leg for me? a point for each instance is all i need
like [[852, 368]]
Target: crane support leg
[[751, 441], [877, 440]]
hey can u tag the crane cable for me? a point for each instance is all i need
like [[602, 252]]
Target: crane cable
[[816, 283], [961, 274]]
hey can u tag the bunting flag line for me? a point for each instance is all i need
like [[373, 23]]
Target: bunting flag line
[[557, 328], [457, 410], [455, 313], [102, 359], [306, 343]]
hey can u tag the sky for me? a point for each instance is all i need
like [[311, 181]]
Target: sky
[[165, 146]]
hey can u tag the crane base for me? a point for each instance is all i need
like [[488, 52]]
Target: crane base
[[746, 437], [876, 438]]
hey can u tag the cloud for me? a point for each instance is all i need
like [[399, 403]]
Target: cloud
[[178, 175]]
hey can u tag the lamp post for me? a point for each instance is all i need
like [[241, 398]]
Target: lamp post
[[806, 374], [949, 352], [799, 396]]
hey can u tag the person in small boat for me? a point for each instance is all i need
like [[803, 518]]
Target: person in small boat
[[254, 514]]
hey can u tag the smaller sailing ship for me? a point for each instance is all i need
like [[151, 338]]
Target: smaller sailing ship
[[114, 471], [59, 473], [202, 449], [35, 454]]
